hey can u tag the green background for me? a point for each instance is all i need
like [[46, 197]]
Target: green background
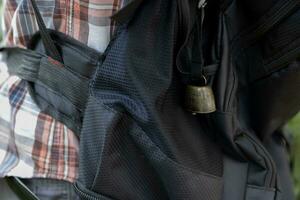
[[293, 126]]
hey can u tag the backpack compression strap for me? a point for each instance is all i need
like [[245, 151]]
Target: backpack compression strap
[[61, 82]]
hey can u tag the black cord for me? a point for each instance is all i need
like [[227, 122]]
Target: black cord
[[50, 47]]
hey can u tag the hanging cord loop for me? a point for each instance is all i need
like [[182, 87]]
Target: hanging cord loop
[[50, 47]]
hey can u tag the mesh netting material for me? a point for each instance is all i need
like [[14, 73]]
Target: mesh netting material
[[137, 141]]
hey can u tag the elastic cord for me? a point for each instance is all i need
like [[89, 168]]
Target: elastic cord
[[50, 47]]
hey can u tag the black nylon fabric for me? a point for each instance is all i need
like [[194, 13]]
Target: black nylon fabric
[[150, 147], [138, 142], [277, 145], [122, 85], [270, 72]]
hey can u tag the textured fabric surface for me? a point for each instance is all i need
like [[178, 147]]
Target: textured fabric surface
[[137, 140], [32, 143]]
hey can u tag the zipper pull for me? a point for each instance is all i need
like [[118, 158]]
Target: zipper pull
[[202, 4]]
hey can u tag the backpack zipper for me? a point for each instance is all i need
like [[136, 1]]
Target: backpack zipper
[[186, 23], [201, 6], [84, 194], [270, 163], [202, 3], [87, 196]]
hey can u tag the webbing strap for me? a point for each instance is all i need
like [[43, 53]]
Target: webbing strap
[[57, 89], [50, 48], [34, 67]]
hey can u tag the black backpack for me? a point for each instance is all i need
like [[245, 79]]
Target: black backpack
[[187, 102]]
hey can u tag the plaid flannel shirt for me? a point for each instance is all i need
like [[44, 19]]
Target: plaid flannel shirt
[[33, 144]]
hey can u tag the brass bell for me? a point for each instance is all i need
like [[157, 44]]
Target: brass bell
[[200, 99]]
